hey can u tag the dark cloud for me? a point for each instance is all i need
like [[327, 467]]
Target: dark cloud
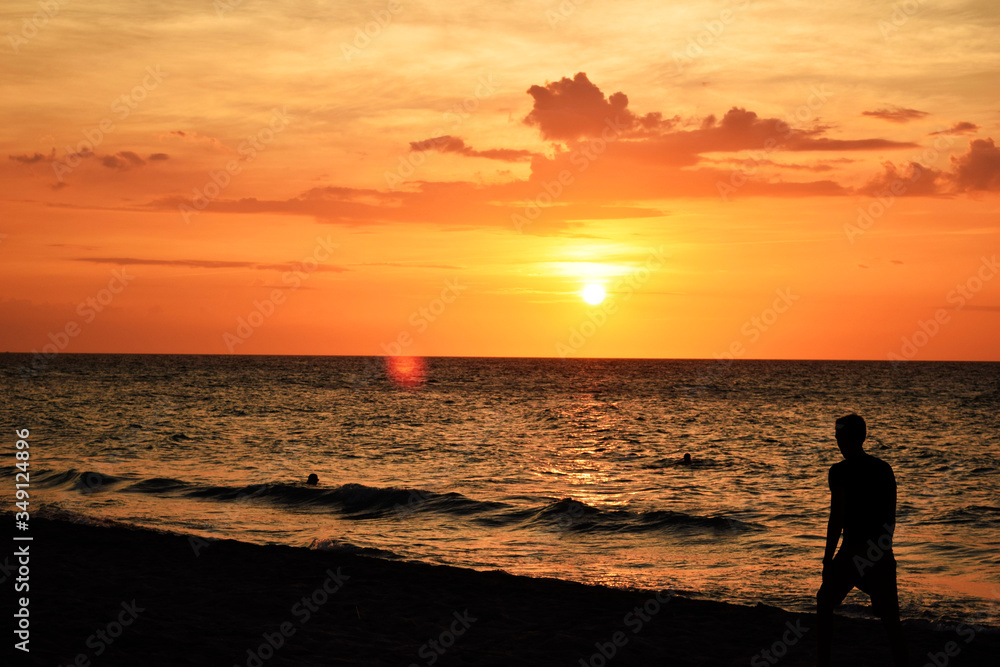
[[450, 144], [122, 161], [32, 159], [571, 109], [158, 156], [911, 179], [896, 114], [963, 127], [979, 169]]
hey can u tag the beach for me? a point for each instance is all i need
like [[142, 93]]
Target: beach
[[116, 595]]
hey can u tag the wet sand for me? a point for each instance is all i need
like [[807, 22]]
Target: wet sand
[[118, 596]]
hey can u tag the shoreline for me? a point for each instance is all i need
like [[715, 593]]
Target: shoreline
[[110, 595]]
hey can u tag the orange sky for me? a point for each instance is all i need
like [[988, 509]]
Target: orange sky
[[757, 178]]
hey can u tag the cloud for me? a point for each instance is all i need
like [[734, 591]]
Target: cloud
[[979, 169], [208, 264], [450, 144], [963, 127], [448, 204], [406, 265], [896, 114], [570, 109], [122, 161], [736, 163], [32, 159], [913, 179]]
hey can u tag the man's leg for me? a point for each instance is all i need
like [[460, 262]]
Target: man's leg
[[837, 583], [885, 602], [897, 642]]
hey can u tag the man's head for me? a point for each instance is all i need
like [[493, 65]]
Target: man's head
[[851, 432]]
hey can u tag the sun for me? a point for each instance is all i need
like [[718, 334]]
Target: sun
[[593, 293]]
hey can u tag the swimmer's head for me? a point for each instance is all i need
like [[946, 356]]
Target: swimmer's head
[[313, 479], [687, 459]]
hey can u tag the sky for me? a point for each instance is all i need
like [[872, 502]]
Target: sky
[[744, 179]]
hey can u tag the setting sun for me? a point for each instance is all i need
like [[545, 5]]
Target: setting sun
[[593, 294]]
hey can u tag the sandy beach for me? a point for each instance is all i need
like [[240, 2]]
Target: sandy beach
[[117, 596]]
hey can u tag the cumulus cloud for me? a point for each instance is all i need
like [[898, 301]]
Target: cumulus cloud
[[570, 109], [741, 129], [896, 114], [979, 169], [910, 179], [450, 144]]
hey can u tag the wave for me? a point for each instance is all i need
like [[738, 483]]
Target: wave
[[361, 502], [85, 481], [575, 516]]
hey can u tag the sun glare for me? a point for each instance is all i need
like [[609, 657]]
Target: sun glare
[[593, 294]]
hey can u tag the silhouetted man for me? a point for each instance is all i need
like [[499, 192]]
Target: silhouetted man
[[863, 506]]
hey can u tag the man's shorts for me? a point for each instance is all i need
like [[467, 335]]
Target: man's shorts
[[850, 569]]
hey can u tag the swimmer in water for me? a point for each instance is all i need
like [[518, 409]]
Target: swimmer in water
[[313, 480], [687, 460]]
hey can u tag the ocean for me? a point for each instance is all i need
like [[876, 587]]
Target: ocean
[[566, 468]]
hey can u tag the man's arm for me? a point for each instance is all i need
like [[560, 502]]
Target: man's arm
[[891, 509], [838, 503]]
